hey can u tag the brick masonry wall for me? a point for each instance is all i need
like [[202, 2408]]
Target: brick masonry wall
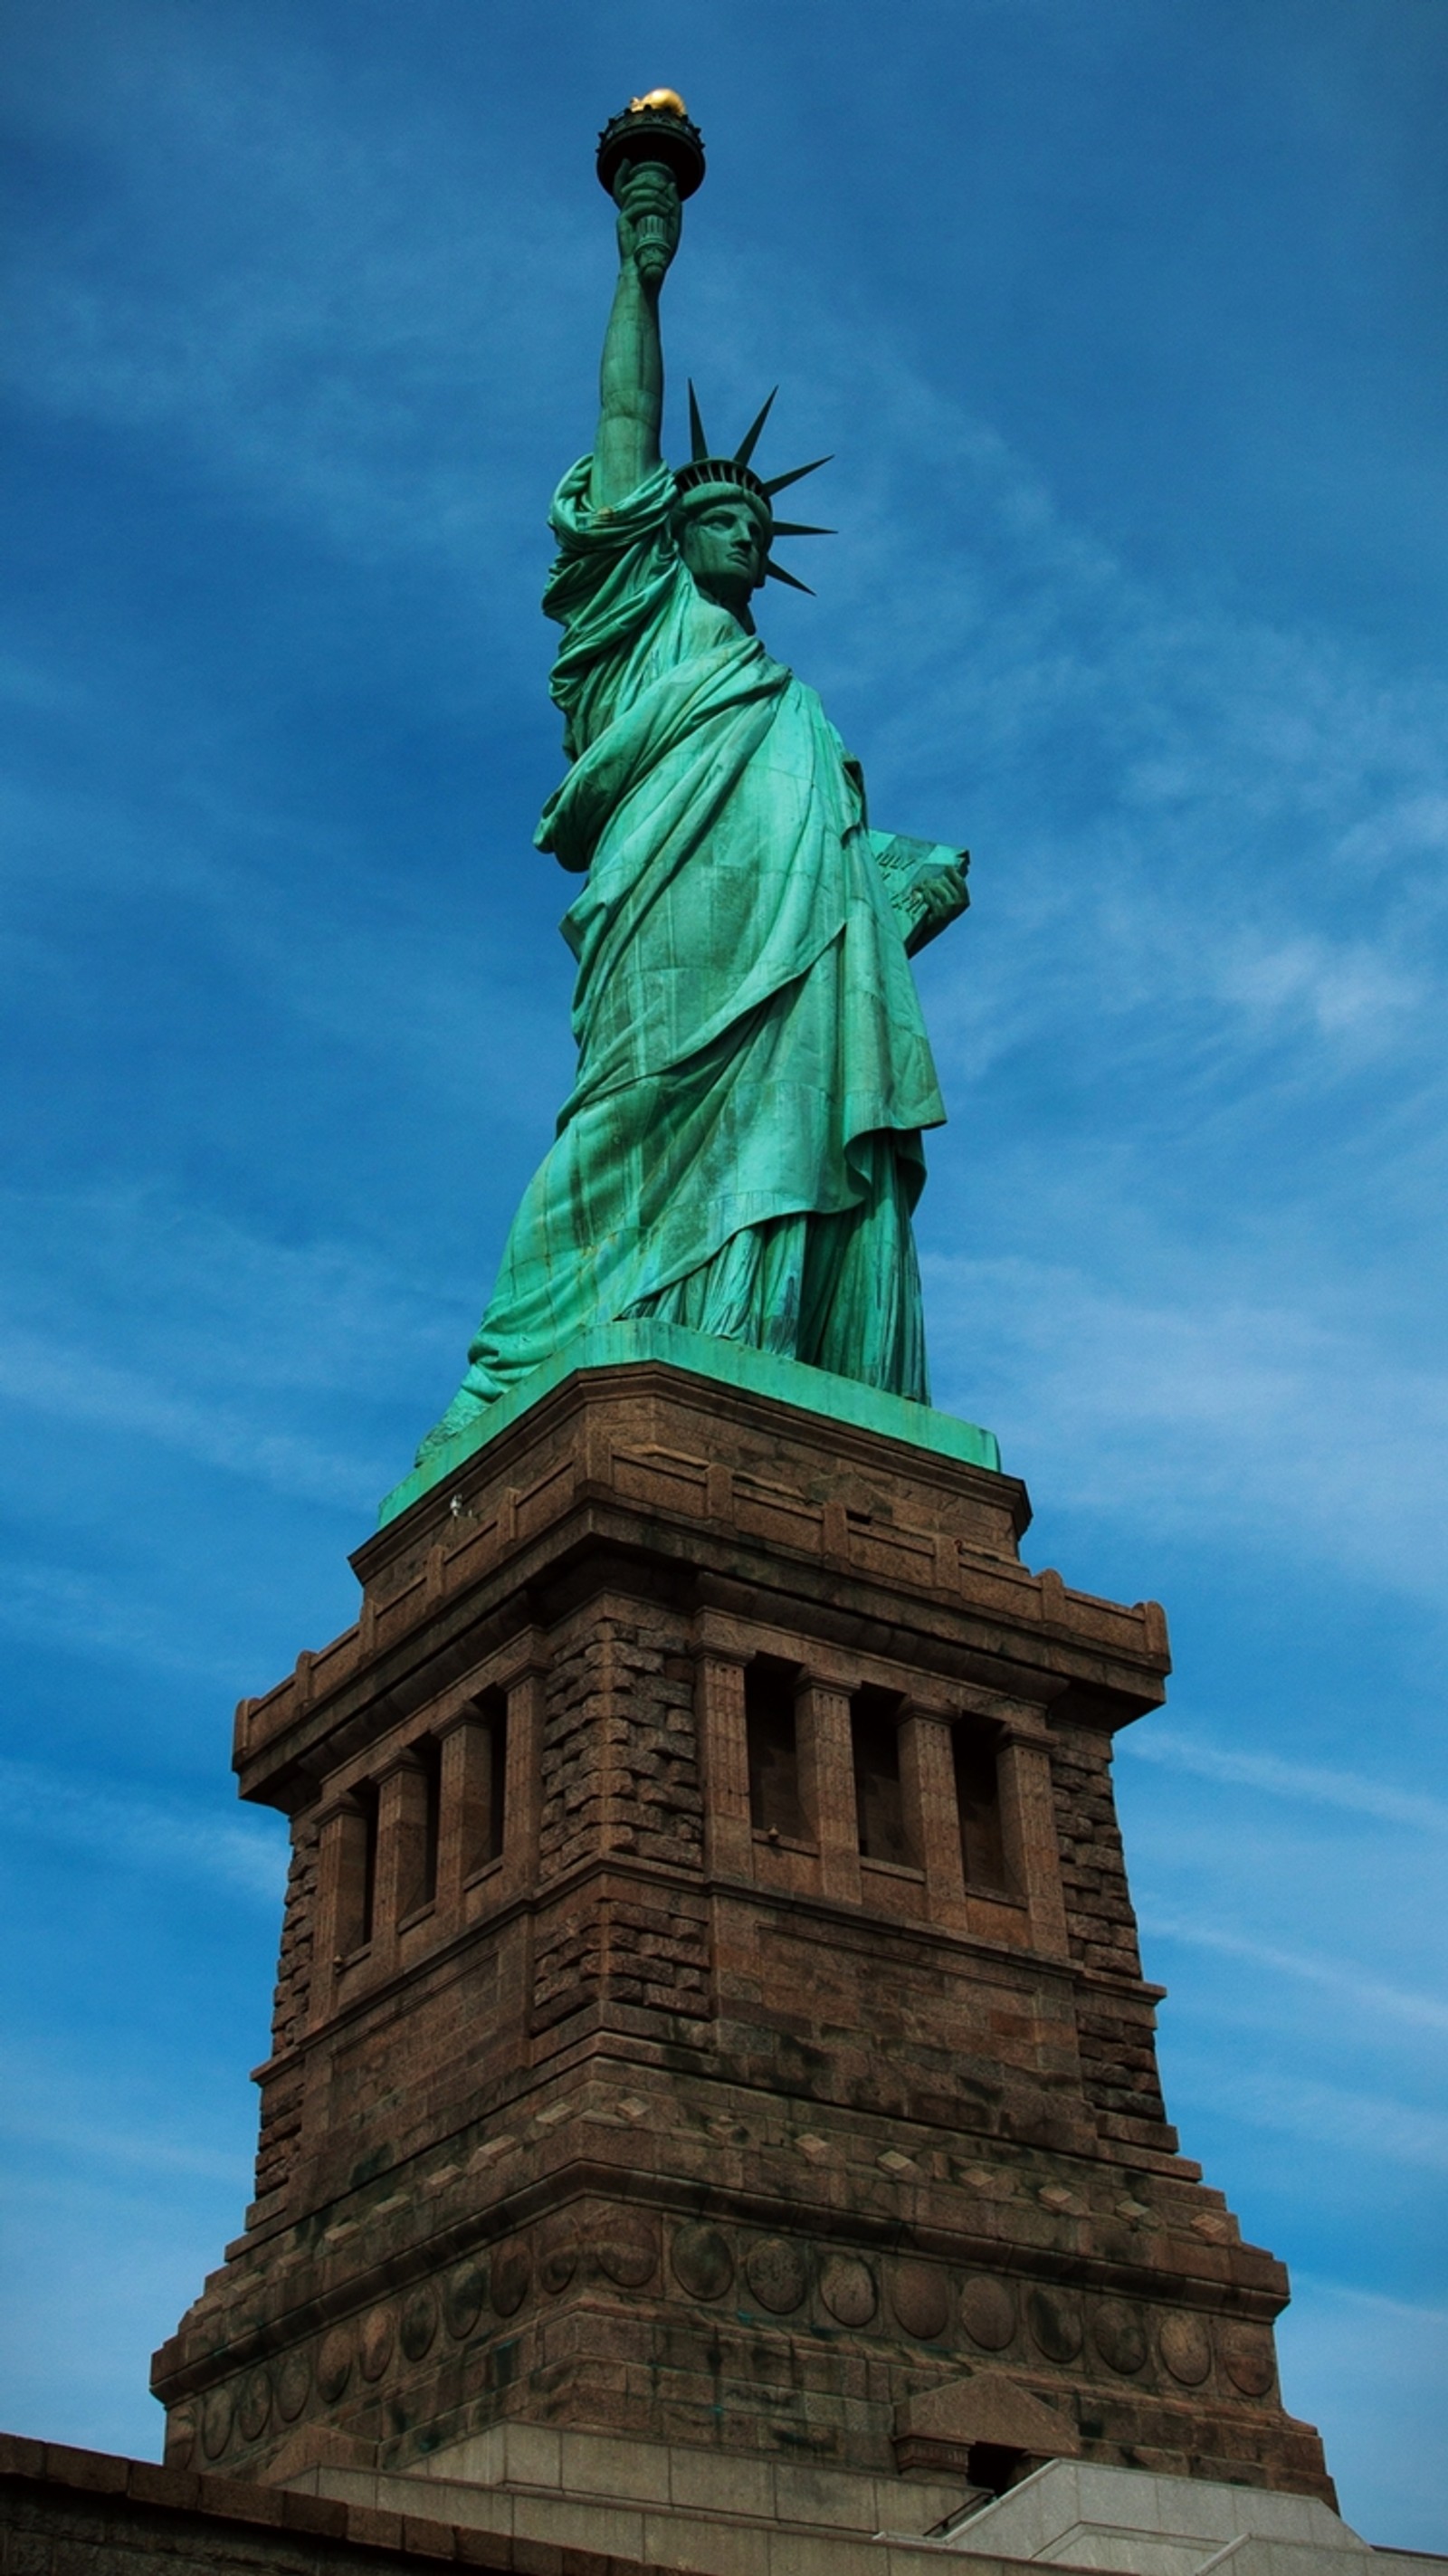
[[1118, 2053], [281, 2111], [636, 1953], [620, 1748], [1100, 1919]]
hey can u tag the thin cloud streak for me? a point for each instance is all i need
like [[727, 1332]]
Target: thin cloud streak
[[1369, 2126], [47, 1377], [101, 2144], [1357, 1794], [111, 1823], [1349, 1983]]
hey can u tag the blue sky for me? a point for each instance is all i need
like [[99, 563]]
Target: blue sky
[[1125, 322]]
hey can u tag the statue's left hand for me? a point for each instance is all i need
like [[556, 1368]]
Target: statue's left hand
[[943, 895]]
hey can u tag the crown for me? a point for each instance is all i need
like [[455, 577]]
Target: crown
[[737, 469]]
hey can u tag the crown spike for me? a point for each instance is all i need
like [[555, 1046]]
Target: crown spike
[[781, 482], [776, 572], [750, 440], [797, 528], [699, 444]]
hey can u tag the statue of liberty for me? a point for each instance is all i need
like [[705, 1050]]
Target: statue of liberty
[[741, 1150]]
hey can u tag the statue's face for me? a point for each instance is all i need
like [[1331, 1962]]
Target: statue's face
[[724, 543]]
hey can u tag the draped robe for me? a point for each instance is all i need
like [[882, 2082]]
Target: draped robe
[[741, 1149]]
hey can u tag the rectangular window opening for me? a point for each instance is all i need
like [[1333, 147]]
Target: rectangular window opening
[[358, 1931], [429, 1756], [775, 1804], [978, 1799], [485, 1784], [879, 1806], [497, 1774]]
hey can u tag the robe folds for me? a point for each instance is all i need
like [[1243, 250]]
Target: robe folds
[[741, 1149]]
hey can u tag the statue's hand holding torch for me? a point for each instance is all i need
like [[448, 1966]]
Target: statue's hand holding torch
[[649, 220], [650, 157]]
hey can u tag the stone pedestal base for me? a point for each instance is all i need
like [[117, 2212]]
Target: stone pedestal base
[[709, 2009]]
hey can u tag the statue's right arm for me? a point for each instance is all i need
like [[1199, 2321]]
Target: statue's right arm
[[631, 379]]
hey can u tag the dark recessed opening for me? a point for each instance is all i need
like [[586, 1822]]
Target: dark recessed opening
[[994, 2466], [879, 1807], [497, 1773], [366, 1798], [769, 1720], [978, 1798], [484, 1786], [429, 1756]]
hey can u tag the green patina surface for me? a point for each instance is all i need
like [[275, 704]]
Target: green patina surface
[[735, 1364], [741, 1151]]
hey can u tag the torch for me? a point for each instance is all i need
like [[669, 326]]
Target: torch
[[657, 128]]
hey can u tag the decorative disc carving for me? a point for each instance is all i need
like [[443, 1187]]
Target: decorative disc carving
[[254, 2405], [462, 2300], [988, 2313], [628, 2250], [1186, 2349], [419, 2323], [557, 2258], [703, 2264], [1054, 2317], [334, 2363], [375, 2342], [847, 2287], [216, 2423], [294, 2380], [777, 2273], [512, 2272], [921, 2301], [1119, 2334], [1248, 2355]]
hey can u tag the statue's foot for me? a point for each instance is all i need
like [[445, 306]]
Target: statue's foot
[[465, 1410]]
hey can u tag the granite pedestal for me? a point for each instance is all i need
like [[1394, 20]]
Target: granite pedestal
[[710, 2032]]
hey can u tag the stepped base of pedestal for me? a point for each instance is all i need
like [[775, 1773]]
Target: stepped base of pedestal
[[88, 2513], [675, 2508]]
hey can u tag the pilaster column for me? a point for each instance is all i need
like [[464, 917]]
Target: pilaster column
[[932, 1814], [523, 1777], [827, 1783], [1032, 1849], [401, 1851], [465, 1808], [342, 1868], [724, 1741]]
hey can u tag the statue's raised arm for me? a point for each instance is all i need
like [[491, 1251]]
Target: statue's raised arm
[[631, 378]]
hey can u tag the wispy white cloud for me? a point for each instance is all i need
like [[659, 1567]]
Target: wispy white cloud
[[1357, 1793], [103, 1615], [1367, 2125], [58, 1381], [1339, 1977], [129, 1831], [304, 381], [96, 2138], [1208, 1403]]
